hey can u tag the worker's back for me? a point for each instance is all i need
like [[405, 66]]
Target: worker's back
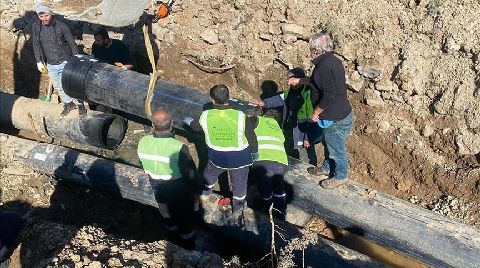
[[225, 137]]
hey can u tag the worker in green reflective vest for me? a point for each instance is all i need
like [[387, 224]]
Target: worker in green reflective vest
[[172, 175], [297, 102], [231, 143], [272, 163]]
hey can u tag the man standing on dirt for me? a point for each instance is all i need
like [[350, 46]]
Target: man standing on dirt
[[328, 78], [53, 46], [172, 175], [112, 51], [232, 146]]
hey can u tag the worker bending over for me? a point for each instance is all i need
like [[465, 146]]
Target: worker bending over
[[112, 51], [272, 163], [172, 176], [230, 139], [53, 46], [297, 102]]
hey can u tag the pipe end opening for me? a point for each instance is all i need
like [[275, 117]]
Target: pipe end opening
[[113, 132]]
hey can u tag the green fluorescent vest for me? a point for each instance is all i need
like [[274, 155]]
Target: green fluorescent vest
[[224, 129], [270, 141], [307, 107], [159, 157]]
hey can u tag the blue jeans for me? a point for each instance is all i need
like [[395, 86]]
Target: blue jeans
[[55, 74], [336, 157]]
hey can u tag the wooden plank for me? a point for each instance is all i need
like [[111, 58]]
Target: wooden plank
[[389, 221]]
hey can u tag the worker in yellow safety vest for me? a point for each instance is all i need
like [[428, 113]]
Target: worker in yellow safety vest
[[172, 175], [231, 143], [272, 163]]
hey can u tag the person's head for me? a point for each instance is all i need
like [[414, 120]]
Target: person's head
[[296, 73], [162, 120], [320, 44], [45, 15], [272, 113], [220, 94], [101, 38]]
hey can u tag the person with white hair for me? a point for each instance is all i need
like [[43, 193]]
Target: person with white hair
[[328, 78], [53, 46]]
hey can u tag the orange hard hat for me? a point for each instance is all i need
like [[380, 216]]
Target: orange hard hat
[[162, 11]]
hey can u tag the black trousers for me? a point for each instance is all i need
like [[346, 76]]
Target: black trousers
[[271, 184], [176, 196]]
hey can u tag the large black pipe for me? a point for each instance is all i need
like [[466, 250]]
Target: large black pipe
[[133, 184], [98, 129], [389, 221], [89, 80]]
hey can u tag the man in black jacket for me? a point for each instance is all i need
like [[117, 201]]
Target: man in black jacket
[[110, 50], [53, 46], [328, 78]]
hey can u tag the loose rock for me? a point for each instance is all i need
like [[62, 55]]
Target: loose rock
[[210, 37]]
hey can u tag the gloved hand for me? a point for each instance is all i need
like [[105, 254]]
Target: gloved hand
[[187, 120], [42, 68], [255, 156]]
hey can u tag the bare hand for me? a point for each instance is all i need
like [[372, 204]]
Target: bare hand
[[293, 81], [316, 114], [306, 144], [260, 103]]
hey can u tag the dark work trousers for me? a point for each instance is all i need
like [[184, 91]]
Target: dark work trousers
[[271, 184], [177, 196], [238, 179]]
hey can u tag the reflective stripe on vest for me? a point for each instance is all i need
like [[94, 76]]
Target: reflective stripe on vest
[[270, 141], [159, 157], [307, 107], [224, 129]]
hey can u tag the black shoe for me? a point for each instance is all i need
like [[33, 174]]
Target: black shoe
[[81, 110], [67, 107]]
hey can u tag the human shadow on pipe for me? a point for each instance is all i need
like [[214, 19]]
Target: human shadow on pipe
[[26, 77]]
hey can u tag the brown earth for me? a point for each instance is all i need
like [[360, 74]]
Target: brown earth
[[413, 70]]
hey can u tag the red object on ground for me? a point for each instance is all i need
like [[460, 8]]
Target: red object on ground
[[225, 201]]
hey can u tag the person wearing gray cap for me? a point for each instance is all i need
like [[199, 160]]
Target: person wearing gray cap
[[297, 102], [53, 46]]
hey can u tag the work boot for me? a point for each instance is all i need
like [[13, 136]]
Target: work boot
[[333, 183], [321, 173], [81, 110], [67, 107]]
